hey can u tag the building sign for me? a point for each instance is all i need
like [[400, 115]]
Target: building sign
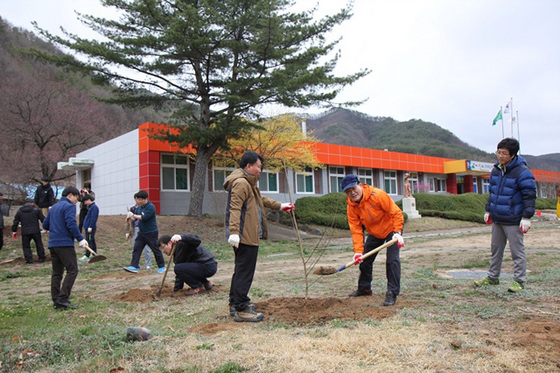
[[479, 166]]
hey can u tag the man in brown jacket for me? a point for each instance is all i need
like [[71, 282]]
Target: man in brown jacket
[[245, 226]]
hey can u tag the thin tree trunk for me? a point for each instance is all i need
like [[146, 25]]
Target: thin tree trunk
[[199, 182]]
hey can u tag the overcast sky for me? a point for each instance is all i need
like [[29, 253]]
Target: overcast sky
[[450, 62]]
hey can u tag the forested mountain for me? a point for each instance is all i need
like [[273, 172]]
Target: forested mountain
[[349, 127], [64, 118], [48, 114]]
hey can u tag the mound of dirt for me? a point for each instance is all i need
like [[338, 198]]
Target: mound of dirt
[[148, 295]]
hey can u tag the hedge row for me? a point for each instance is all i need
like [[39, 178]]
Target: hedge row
[[330, 209]]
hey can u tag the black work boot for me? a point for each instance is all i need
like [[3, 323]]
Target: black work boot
[[361, 293], [390, 299]]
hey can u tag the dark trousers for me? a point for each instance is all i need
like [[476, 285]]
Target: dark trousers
[[82, 217], [392, 265], [142, 240], [194, 274], [1, 239], [26, 246], [90, 238], [63, 258], [243, 273]]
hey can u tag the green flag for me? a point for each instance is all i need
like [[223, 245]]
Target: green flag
[[498, 117]]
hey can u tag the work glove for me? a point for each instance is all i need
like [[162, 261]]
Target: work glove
[[83, 243], [176, 238], [129, 215], [400, 239], [287, 207], [233, 240], [525, 225], [14, 235], [357, 258], [487, 218], [89, 230]]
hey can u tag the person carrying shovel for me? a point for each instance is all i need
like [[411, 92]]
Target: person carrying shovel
[[63, 230], [373, 209], [194, 263]]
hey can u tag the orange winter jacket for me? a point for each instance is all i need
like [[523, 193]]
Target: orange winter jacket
[[377, 212]]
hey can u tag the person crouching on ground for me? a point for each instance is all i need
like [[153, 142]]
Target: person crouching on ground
[[63, 229], [373, 209], [194, 263]]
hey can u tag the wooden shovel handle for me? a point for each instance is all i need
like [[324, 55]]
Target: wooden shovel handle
[[168, 265], [90, 250], [376, 250]]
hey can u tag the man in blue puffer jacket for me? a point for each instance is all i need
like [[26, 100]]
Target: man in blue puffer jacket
[[509, 209], [63, 230]]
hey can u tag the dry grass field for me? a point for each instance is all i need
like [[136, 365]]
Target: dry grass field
[[440, 323]]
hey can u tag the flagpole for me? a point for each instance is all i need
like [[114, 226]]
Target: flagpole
[[503, 136], [517, 121], [511, 115]]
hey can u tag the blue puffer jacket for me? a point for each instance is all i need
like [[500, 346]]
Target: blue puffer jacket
[[61, 224], [512, 192]]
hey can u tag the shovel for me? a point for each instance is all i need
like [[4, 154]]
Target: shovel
[[96, 258], [158, 293], [332, 270]]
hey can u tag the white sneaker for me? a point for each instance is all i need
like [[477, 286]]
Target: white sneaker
[[84, 259]]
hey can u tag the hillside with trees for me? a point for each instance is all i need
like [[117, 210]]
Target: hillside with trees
[[349, 127], [48, 114]]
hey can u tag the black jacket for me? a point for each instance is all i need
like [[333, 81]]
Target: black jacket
[[44, 196], [29, 217], [189, 250]]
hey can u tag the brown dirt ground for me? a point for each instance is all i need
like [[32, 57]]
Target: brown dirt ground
[[540, 335]]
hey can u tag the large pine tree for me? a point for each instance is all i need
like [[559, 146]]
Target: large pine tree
[[219, 59]]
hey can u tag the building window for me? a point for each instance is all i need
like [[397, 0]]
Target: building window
[[475, 184], [304, 181], [336, 174], [390, 178], [442, 185], [485, 185], [220, 175], [174, 172], [432, 183], [268, 182], [365, 176]]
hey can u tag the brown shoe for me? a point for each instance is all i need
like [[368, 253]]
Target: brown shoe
[[195, 291], [248, 315]]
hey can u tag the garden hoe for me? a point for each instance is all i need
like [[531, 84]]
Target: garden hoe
[[332, 270], [158, 294], [96, 258]]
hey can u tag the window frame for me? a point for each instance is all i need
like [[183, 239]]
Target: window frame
[[305, 175], [174, 167]]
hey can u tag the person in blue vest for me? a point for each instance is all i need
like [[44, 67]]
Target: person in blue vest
[[63, 230], [90, 225], [510, 207], [147, 233]]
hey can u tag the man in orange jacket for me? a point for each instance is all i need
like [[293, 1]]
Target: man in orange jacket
[[372, 209]]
